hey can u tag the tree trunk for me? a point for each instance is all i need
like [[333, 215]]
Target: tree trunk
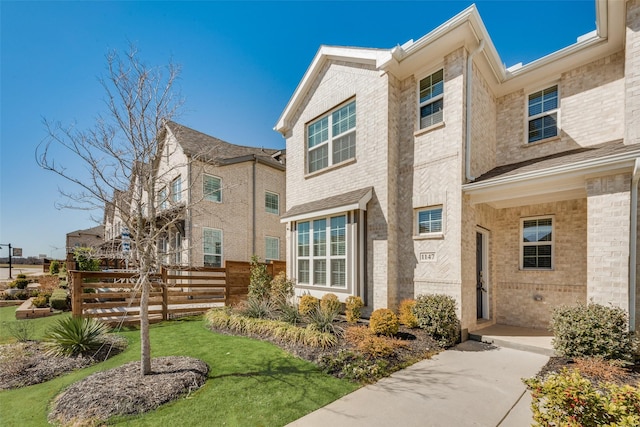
[[145, 345]]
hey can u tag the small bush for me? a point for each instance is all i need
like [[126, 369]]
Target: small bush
[[568, 399], [353, 308], [405, 313], [75, 335], [259, 280], [384, 322], [436, 314], [370, 344], [21, 276], [258, 308], [86, 259], [21, 330], [6, 296], [22, 295], [307, 304], [591, 330], [20, 283], [39, 301], [289, 313], [54, 267], [59, 300], [281, 288], [330, 302], [354, 367], [322, 320]]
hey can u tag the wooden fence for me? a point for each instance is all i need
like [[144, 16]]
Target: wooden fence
[[113, 297]]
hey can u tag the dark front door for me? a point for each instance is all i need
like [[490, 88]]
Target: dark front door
[[481, 291]]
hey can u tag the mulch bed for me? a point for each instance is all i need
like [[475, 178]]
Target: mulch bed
[[595, 370], [124, 391]]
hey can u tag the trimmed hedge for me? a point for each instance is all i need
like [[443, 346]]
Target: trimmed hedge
[[436, 314], [58, 300]]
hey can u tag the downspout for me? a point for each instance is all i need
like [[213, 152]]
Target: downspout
[[188, 222], [253, 226], [633, 243], [469, 87]]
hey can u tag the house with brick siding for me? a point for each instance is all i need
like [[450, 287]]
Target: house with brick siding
[[223, 201], [432, 168]]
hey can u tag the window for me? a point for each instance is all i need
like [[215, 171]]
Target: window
[[429, 221], [431, 101], [537, 243], [272, 248], [322, 252], [162, 198], [162, 250], [543, 114], [212, 247], [212, 188], [332, 138], [272, 203], [176, 190], [177, 247]]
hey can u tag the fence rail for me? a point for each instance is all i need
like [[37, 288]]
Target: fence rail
[[114, 297]]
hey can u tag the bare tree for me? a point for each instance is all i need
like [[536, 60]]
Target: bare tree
[[119, 156]]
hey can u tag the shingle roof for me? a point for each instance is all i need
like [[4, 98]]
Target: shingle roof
[[343, 199], [561, 159], [97, 230], [210, 149]]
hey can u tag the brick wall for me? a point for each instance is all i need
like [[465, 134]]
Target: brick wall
[[632, 74]]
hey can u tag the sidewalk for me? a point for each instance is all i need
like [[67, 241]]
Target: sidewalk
[[474, 384]]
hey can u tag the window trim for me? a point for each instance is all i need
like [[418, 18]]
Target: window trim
[[176, 196], [522, 243], [429, 101], [331, 138], [528, 119], [266, 208], [204, 193], [221, 255], [266, 255], [416, 222], [163, 198]]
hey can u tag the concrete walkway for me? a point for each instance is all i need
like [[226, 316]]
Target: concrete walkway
[[474, 384]]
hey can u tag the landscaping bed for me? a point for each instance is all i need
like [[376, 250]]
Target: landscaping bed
[[596, 370]]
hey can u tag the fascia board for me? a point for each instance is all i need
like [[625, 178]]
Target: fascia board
[[360, 204], [356, 55]]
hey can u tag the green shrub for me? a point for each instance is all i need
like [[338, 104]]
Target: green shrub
[[289, 313], [75, 335], [20, 283], [259, 280], [281, 288], [21, 330], [86, 259], [384, 322], [307, 304], [59, 300], [330, 302], [22, 295], [258, 308], [371, 345], [54, 267], [405, 313], [21, 276], [592, 330], [353, 308], [39, 301], [436, 314], [322, 319], [6, 296], [568, 399], [352, 366]]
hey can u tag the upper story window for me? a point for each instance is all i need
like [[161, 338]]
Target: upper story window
[[162, 198], [332, 138], [272, 203], [537, 243], [212, 188], [542, 114], [431, 101], [176, 190], [429, 221]]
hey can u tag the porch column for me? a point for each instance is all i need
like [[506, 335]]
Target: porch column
[[608, 221]]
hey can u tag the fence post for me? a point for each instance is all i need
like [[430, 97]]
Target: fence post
[[76, 293], [165, 294]]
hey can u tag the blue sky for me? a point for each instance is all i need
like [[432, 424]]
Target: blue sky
[[241, 62]]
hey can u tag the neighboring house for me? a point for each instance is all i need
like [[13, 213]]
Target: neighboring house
[[89, 238], [224, 200], [432, 168]]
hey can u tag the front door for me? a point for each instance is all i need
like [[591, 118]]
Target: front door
[[481, 287]]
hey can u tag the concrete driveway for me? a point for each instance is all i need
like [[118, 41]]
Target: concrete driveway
[[474, 384]]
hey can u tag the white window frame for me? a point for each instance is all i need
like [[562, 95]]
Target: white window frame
[[416, 222], [204, 192], [204, 247], [331, 138], [163, 198], [176, 189], [177, 247], [329, 257], [542, 114], [271, 239], [437, 98], [551, 242], [269, 209]]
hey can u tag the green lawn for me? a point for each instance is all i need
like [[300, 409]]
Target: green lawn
[[251, 383]]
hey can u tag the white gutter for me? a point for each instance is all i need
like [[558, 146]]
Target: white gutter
[[468, 111], [633, 242]]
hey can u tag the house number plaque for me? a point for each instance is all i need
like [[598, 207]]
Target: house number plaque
[[427, 256]]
